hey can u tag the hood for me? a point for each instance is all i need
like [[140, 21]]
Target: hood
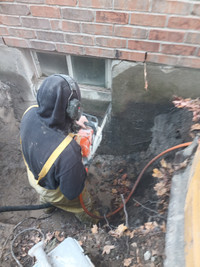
[[52, 98]]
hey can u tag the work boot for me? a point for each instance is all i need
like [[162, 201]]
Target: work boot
[[83, 217], [49, 210]]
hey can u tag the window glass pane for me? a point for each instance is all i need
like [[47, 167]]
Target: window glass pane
[[89, 71], [52, 63]]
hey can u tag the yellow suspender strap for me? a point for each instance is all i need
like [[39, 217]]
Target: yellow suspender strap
[[33, 106], [55, 154]]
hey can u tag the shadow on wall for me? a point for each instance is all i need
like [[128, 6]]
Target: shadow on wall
[[134, 109]]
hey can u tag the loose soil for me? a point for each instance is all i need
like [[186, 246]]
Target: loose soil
[[135, 236]]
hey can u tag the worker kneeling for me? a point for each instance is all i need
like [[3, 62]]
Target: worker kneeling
[[52, 156]]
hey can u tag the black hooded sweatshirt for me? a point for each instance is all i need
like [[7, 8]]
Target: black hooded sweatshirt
[[43, 128]]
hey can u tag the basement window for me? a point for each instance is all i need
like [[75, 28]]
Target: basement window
[[51, 64], [87, 71]]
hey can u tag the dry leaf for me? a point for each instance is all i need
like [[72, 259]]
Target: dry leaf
[[120, 230], [80, 242], [59, 236], [134, 244], [114, 191], [150, 225], [195, 127], [49, 236], [163, 163], [124, 176], [181, 165], [94, 229], [107, 249], [127, 262], [157, 173], [160, 189], [163, 227]]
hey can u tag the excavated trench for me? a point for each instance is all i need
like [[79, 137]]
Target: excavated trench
[[112, 173]]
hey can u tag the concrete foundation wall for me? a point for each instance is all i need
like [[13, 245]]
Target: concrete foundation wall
[[134, 109]]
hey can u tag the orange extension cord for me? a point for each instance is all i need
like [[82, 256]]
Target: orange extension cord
[[135, 185]]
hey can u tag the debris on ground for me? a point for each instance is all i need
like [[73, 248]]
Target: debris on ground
[[110, 243]]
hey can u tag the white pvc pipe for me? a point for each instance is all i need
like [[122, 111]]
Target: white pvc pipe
[[38, 252]]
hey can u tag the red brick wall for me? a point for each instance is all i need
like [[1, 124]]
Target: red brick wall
[[168, 30]]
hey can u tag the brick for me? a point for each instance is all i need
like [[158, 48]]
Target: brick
[[32, 1], [168, 36], [69, 26], [79, 39], [110, 42], [162, 59], [193, 38], [21, 33], [50, 36], [130, 32], [56, 25], [35, 23], [172, 49], [45, 11], [144, 19], [4, 31], [9, 41], [80, 14], [105, 4], [143, 46], [112, 17], [171, 7], [191, 62], [196, 10], [131, 56], [184, 23], [136, 5], [9, 20], [14, 9], [97, 29], [39, 45], [61, 2], [69, 49], [99, 52]]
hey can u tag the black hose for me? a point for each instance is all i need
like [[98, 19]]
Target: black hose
[[28, 207]]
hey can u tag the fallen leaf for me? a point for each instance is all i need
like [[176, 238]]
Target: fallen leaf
[[157, 173], [163, 163], [114, 191], [195, 127], [181, 165], [49, 236], [94, 229], [127, 262], [134, 244], [107, 249], [59, 236], [124, 176], [80, 242], [163, 227], [150, 225], [120, 230]]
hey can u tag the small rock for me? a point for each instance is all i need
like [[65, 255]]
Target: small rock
[[147, 255]]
